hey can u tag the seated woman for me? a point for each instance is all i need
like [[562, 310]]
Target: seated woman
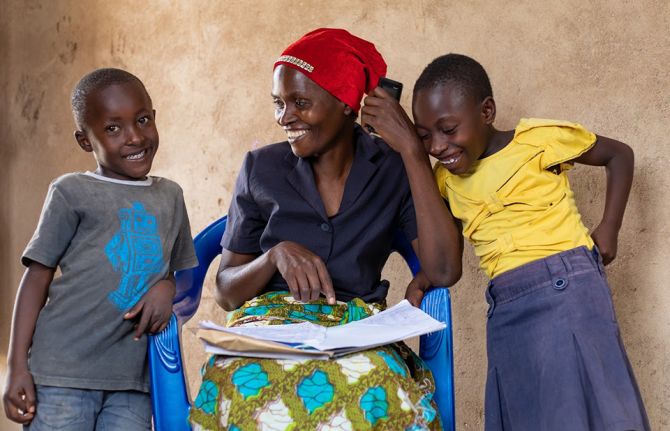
[[309, 229]]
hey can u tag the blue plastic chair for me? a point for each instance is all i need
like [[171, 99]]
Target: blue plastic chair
[[169, 391]]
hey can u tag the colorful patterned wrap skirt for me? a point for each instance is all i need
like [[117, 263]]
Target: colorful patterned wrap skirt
[[385, 388]]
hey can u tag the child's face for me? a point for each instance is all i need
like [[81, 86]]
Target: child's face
[[120, 130], [453, 127]]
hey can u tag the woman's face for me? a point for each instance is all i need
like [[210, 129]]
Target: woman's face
[[312, 118]]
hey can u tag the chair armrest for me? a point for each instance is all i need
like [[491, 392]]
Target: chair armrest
[[436, 349], [169, 394]]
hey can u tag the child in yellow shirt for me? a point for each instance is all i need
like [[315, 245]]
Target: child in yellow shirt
[[556, 360]]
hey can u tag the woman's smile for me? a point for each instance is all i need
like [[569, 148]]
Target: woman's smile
[[295, 134]]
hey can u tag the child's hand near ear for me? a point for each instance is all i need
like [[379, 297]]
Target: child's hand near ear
[[391, 122], [154, 308], [417, 289]]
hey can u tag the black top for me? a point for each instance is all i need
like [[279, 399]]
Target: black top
[[276, 199]]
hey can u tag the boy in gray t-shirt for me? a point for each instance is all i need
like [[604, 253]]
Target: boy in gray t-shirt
[[76, 359]]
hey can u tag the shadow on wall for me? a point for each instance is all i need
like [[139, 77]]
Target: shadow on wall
[[6, 279], [635, 253], [7, 155], [6, 289], [36, 144], [638, 300]]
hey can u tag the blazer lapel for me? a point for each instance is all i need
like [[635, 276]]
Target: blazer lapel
[[362, 170], [301, 178]]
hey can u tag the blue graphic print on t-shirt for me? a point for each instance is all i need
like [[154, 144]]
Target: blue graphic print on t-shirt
[[135, 251]]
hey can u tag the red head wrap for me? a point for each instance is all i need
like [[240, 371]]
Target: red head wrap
[[344, 65]]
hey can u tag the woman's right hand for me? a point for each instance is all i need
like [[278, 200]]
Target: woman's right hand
[[304, 271]]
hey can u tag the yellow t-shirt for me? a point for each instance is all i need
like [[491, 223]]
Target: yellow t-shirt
[[516, 206]]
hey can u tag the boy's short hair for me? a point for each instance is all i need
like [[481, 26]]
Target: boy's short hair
[[97, 80], [461, 70]]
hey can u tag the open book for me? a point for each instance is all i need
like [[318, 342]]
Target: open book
[[307, 340]]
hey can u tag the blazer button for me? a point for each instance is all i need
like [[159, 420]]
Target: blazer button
[[325, 227]]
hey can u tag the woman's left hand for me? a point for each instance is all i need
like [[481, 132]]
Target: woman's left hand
[[390, 121], [417, 289]]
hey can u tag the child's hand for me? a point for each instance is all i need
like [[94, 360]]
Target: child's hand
[[390, 121], [19, 396], [417, 289], [154, 308], [606, 238]]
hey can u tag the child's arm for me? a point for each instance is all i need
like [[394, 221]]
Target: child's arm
[[416, 289], [155, 307], [19, 395], [440, 240], [618, 160]]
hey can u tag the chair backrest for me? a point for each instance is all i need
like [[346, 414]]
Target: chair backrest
[[189, 282], [169, 389]]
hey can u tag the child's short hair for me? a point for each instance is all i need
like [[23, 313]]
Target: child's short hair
[[461, 70], [94, 81]]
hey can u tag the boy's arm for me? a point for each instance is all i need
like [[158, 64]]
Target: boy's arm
[[19, 394], [440, 241], [154, 308], [618, 159]]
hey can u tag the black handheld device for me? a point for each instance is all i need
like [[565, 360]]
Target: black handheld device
[[394, 88]]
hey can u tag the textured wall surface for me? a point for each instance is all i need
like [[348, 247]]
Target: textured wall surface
[[208, 67]]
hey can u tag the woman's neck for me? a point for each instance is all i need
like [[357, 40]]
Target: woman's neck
[[331, 170], [336, 162]]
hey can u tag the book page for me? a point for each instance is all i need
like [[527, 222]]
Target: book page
[[397, 323], [296, 334]]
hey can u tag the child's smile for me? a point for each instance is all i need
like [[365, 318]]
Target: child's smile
[[136, 156], [451, 162], [121, 131]]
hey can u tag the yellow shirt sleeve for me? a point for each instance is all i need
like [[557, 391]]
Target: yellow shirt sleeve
[[562, 141]]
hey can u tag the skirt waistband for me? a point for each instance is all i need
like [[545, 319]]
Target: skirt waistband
[[552, 270]]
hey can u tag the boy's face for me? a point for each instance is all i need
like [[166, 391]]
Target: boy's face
[[120, 130], [312, 118], [453, 127]]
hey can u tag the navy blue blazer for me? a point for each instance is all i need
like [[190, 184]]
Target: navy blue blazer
[[276, 199]]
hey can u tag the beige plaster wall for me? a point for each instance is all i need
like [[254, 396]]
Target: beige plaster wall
[[208, 66]]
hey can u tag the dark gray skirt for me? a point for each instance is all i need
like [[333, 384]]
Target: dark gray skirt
[[556, 360]]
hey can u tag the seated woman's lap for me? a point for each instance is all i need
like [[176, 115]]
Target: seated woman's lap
[[387, 387]]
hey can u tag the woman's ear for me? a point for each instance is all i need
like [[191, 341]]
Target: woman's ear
[[489, 110]]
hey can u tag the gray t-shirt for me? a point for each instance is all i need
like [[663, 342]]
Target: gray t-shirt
[[112, 240]]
